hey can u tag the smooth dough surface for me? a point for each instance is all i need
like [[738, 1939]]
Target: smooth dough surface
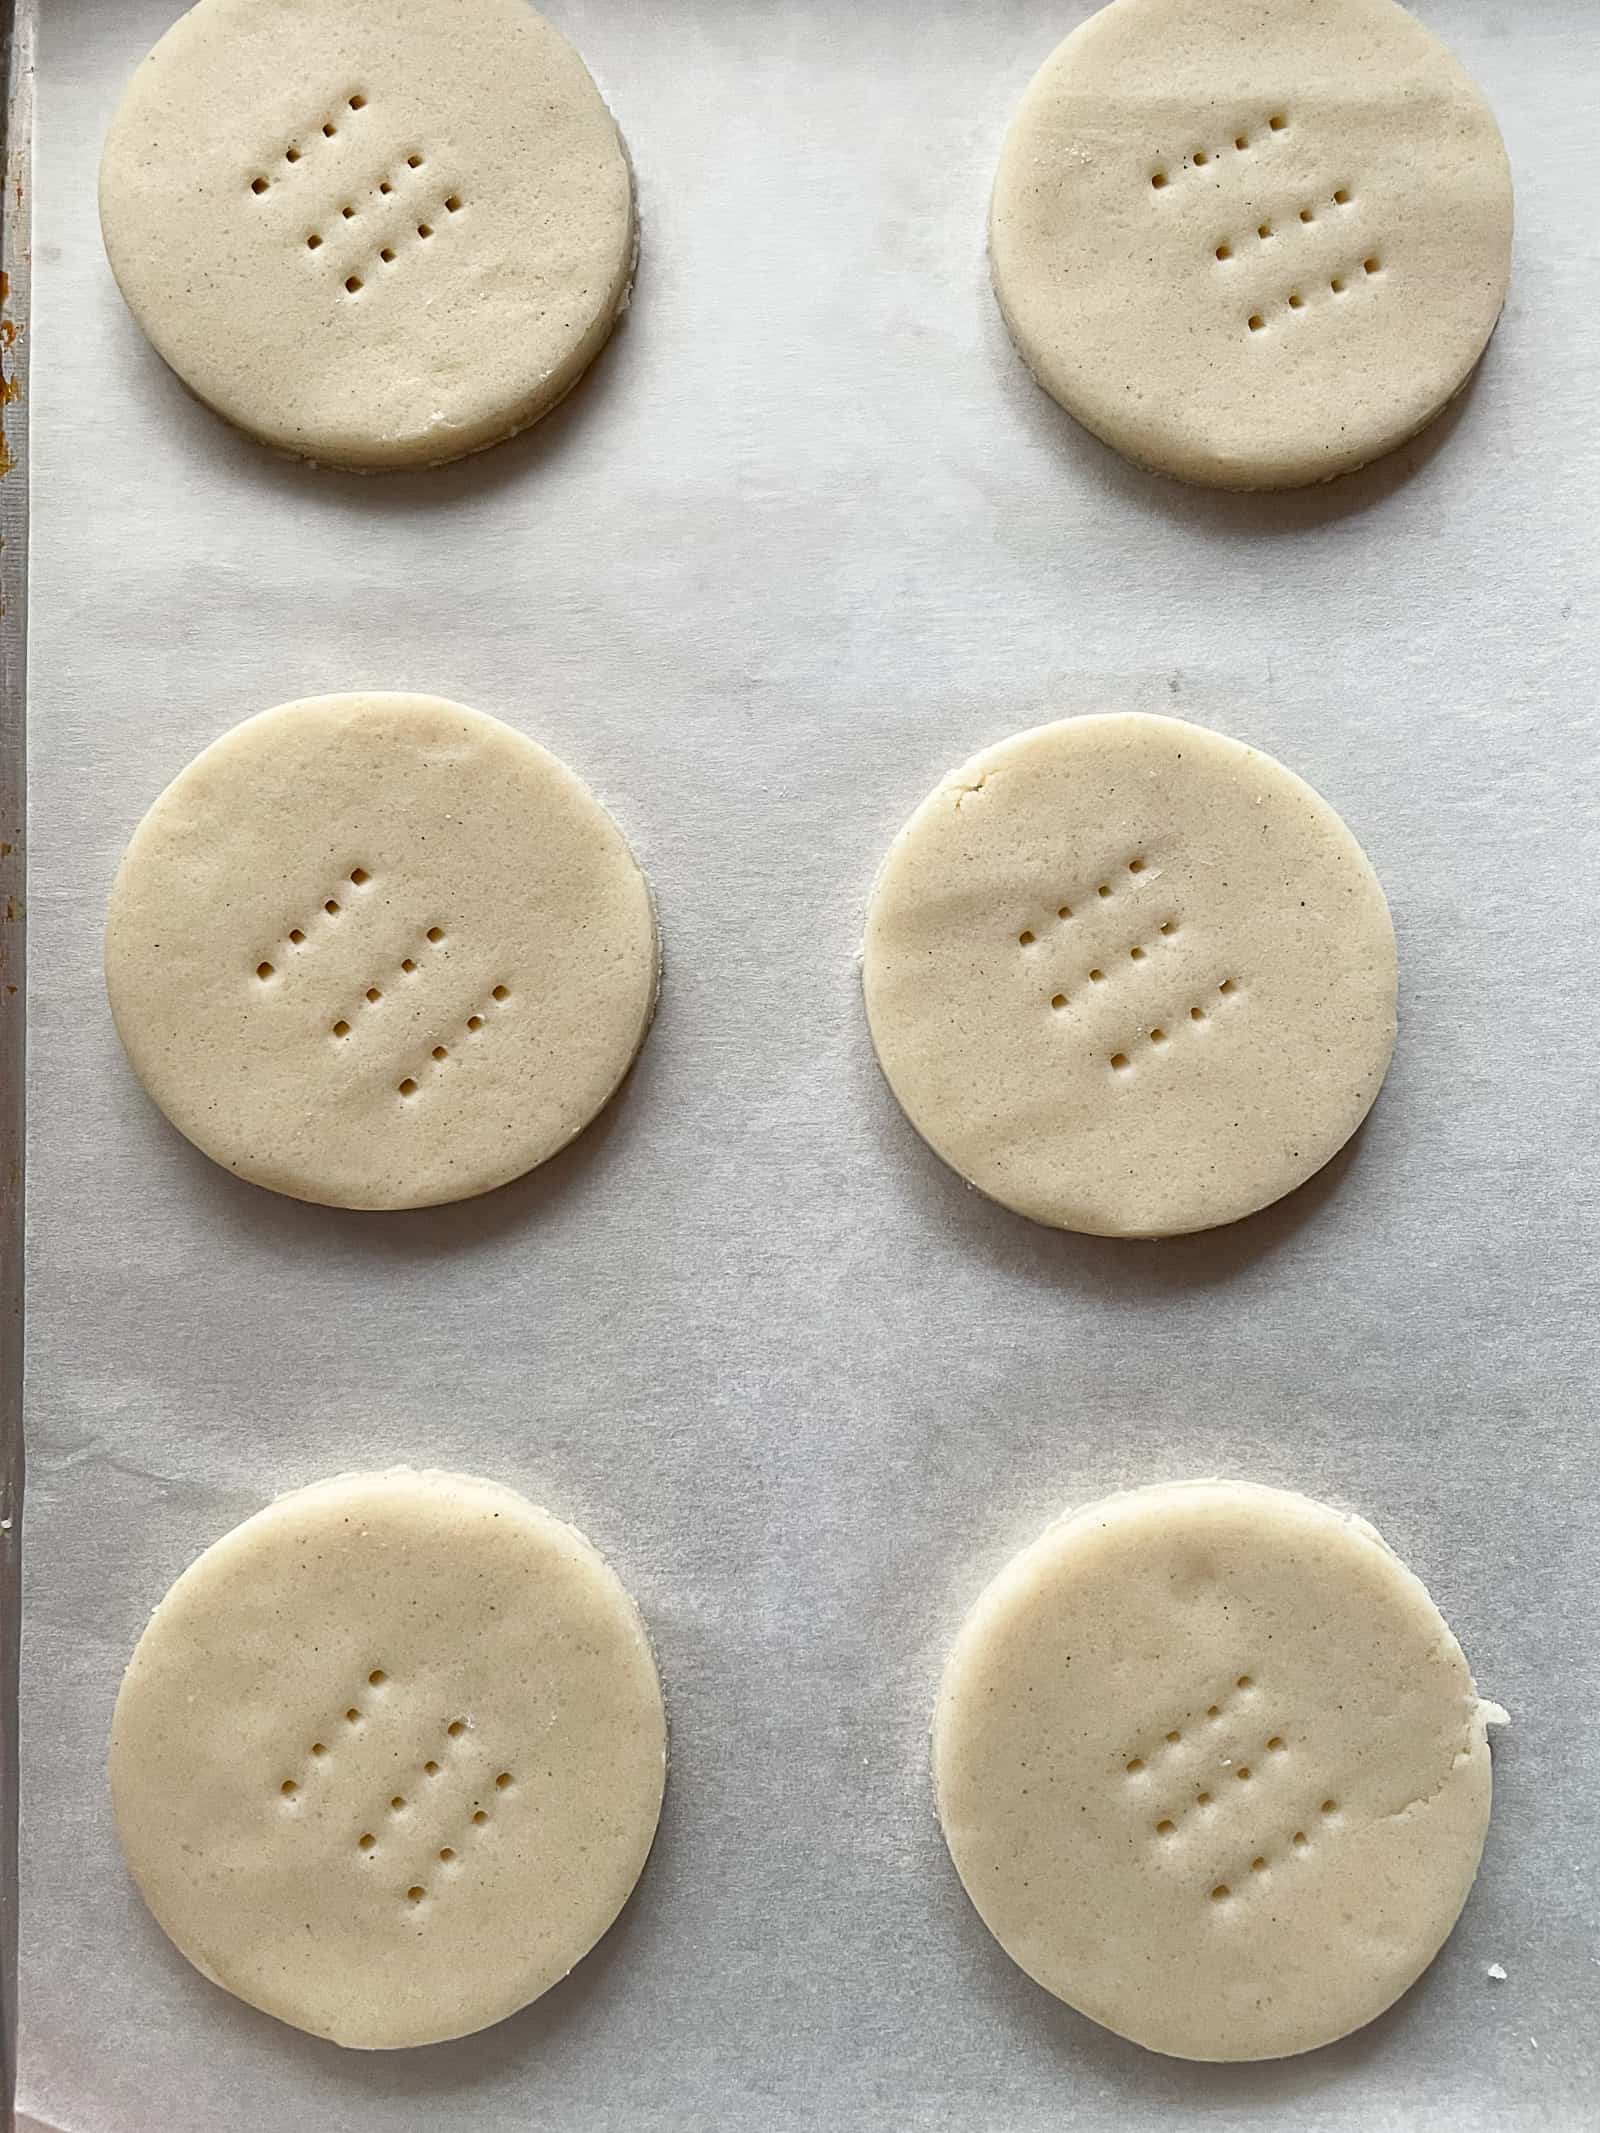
[[372, 233], [389, 1757], [1213, 1769], [1252, 243], [1130, 977], [379, 951]]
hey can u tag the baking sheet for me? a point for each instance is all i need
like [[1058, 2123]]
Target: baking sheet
[[806, 539]]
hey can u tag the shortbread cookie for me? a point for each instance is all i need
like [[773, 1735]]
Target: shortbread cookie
[[379, 951], [388, 1758], [370, 235], [1130, 977], [1252, 242], [1213, 1769]]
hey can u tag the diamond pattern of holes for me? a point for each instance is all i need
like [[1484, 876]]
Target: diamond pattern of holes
[[1230, 248], [432, 212], [1156, 1769], [1123, 878], [388, 255], [327, 129], [475, 1815], [1157, 1037], [442, 1054], [299, 937], [1249, 138], [373, 995]]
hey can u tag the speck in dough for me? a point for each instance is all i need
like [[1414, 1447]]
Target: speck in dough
[[370, 235], [1130, 977], [389, 1757], [1252, 243], [1213, 1769], [379, 951]]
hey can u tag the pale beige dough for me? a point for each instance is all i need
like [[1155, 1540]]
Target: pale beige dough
[[1252, 243], [389, 1757], [1130, 977], [370, 235], [379, 951], [1213, 1769]]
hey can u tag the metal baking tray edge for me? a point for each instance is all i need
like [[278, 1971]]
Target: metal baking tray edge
[[17, 24]]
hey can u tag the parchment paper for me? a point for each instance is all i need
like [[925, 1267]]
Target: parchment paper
[[806, 538]]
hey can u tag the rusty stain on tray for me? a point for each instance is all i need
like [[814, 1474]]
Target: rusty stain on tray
[[10, 385]]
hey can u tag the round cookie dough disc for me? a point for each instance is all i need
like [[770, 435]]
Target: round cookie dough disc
[[370, 235], [389, 1757], [1252, 245], [1213, 1769], [1129, 977], [379, 951]]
